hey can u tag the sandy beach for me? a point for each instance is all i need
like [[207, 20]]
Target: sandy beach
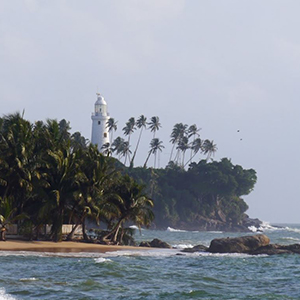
[[65, 247]]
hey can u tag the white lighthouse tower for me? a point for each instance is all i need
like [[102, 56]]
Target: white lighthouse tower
[[100, 134]]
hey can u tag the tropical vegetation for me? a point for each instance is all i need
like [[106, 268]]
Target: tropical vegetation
[[49, 176]]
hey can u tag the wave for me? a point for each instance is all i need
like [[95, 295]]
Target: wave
[[182, 246], [265, 226], [5, 296], [175, 230], [100, 260], [28, 279]]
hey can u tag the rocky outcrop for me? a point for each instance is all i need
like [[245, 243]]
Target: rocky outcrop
[[156, 243], [244, 244], [198, 248]]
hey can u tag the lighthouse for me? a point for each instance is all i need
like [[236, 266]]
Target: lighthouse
[[100, 134]]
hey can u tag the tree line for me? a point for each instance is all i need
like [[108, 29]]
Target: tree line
[[48, 176]]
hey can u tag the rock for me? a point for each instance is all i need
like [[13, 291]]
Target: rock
[[244, 244], [273, 249], [144, 244], [198, 248], [156, 243]]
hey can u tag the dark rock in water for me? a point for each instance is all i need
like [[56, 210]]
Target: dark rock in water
[[198, 248], [144, 244], [277, 249], [156, 243], [244, 244]]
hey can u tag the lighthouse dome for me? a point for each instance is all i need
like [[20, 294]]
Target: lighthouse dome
[[100, 100]]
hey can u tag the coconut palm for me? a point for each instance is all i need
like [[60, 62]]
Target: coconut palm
[[117, 146], [62, 181], [8, 215], [133, 205], [195, 147], [141, 124], [129, 128], [111, 125], [125, 151], [193, 132], [178, 132], [209, 148], [154, 125], [106, 149], [183, 145], [155, 146]]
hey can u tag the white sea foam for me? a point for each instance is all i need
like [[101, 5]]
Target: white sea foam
[[265, 226], [29, 279], [101, 260], [5, 296], [182, 246], [175, 230]]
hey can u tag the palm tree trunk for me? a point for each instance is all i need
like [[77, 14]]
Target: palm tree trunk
[[145, 164], [137, 145]]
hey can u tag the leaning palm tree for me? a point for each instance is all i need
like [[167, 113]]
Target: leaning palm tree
[[195, 147], [132, 205], [178, 132], [141, 124], [155, 146], [154, 125], [129, 128], [111, 125], [193, 132], [209, 148], [125, 151]]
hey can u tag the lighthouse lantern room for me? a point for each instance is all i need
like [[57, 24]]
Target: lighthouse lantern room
[[100, 134]]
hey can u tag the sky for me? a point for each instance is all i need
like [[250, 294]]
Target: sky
[[230, 67]]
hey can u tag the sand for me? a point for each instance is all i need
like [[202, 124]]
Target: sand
[[65, 247]]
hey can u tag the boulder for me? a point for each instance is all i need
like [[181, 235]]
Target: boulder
[[156, 243], [244, 244], [198, 248]]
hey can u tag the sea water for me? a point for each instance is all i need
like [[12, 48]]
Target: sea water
[[156, 274]]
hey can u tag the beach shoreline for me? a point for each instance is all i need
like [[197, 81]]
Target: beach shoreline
[[63, 247]]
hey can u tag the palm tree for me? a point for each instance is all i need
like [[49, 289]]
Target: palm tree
[[209, 148], [154, 125], [97, 174], [8, 215], [193, 132], [155, 146], [78, 141], [141, 124], [125, 151], [195, 147], [129, 128], [178, 132], [106, 149], [111, 125], [183, 145], [117, 146], [62, 180], [133, 205]]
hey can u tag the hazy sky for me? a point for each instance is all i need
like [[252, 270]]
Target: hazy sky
[[223, 65]]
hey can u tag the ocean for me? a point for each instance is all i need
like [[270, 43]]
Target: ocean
[[156, 274]]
